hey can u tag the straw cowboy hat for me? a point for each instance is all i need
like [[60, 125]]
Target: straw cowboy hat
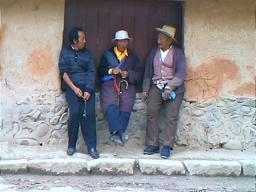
[[168, 30], [121, 35]]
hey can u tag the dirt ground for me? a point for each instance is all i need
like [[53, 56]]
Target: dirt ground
[[137, 182]]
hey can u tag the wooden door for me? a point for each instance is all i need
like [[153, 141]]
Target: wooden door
[[102, 18]]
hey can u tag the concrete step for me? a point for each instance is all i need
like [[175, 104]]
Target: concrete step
[[53, 160], [123, 166]]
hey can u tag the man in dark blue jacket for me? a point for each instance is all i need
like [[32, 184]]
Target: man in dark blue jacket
[[77, 70]]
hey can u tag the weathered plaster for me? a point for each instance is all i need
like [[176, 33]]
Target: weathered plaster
[[33, 37], [220, 47]]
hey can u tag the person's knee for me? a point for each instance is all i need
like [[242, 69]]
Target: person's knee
[[74, 112], [112, 107], [171, 119], [90, 116], [152, 111], [90, 110], [171, 113]]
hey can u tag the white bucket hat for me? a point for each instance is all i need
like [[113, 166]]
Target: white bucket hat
[[168, 30], [121, 35]]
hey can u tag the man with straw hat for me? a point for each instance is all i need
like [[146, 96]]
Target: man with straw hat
[[120, 72], [163, 87]]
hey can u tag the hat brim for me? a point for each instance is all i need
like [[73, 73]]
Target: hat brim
[[166, 33], [129, 38]]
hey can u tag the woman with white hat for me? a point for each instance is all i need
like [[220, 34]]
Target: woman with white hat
[[120, 71]]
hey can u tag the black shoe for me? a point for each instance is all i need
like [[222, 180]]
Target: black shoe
[[116, 139], [150, 150], [93, 153], [124, 137], [71, 151]]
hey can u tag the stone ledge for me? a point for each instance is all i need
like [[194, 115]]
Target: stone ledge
[[165, 167], [58, 166], [13, 166], [248, 167], [213, 168], [118, 166], [112, 166]]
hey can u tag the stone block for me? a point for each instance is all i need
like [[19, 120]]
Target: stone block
[[112, 166], [249, 167], [58, 166], [213, 168], [13, 166], [165, 167]]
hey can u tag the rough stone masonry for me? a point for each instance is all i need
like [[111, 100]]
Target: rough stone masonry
[[41, 119]]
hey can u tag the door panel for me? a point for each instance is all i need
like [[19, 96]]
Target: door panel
[[102, 18]]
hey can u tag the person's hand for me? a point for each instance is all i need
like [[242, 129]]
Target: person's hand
[[124, 74], [116, 71], [167, 93], [87, 95], [144, 96], [78, 92]]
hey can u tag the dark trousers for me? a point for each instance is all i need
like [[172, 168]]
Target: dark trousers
[[172, 107], [76, 118], [117, 120]]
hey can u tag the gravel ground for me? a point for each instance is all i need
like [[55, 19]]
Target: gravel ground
[[143, 183]]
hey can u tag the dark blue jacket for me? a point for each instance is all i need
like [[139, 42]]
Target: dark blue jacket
[[108, 93], [80, 67]]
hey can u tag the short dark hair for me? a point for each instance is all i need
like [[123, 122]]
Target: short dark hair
[[73, 34]]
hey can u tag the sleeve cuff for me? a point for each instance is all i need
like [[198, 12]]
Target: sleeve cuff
[[62, 73], [175, 82], [88, 90]]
